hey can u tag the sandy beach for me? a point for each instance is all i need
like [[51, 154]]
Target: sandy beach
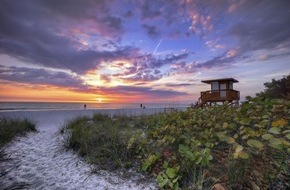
[[40, 161]]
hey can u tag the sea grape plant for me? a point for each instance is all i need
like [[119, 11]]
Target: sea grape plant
[[177, 147]]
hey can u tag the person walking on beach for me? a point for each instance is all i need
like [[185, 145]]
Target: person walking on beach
[[141, 106], [85, 106]]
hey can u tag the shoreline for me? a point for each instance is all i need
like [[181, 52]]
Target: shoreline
[[39, 106], [108, 111]]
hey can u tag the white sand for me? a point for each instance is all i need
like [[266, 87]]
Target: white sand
[[40, 160]]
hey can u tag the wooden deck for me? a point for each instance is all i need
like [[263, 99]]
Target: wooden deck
[[219, 96]]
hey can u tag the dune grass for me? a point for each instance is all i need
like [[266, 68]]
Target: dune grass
[[102, 140], [9, 128]]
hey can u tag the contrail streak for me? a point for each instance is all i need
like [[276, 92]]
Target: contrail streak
[[157, 46]]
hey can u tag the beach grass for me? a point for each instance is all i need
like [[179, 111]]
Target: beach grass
[[9, 128], [102, 139]]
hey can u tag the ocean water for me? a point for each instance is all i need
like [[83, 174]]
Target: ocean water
[[36, 106]]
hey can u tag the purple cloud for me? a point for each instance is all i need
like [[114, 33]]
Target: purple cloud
[[152, 31], [179, 85], [43, 77], [150, 10], [137, 90], [37, 33], [146, 67]]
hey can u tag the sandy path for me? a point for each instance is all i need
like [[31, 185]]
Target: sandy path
[[39, 160]]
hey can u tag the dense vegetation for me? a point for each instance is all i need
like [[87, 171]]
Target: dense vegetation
[[102, 140], [277, 88], [240, 148], [9, 128]]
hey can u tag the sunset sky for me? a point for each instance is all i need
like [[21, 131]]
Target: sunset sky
[[138, 50]]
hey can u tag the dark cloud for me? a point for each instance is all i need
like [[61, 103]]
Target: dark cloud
[[36, 33], [222, 61], [42, 77], [150, 10], [96, 13], [128, 14], [169, 59], [71, 9], [265, 25], [150, 92], [172, 58], [179, 85], [152, 31]]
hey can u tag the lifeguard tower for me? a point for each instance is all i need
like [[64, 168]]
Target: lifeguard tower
[[221, 91]]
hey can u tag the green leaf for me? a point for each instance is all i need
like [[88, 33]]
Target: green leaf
[[236, 155], [265, 117], [198, 160], [285, 143], [286, 131], [170, 172], [183, 149], [176, 186], [245, 137], [255, 143], [276, 143], [274, 130], [175, 180], [230, 140], [165, 164], [145, 166], [170, 184], [243, 155], [225, 125], [221, 136], [161, 181], [239, 148], [288, 136], [267, 136], [210, 157]]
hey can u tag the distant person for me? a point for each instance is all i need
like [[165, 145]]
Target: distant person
[[85, 106], [141, 106]]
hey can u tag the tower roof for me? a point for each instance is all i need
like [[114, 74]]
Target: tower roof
[[219, 80]]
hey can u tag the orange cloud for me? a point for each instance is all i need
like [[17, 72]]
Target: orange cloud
[[44, 93]]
